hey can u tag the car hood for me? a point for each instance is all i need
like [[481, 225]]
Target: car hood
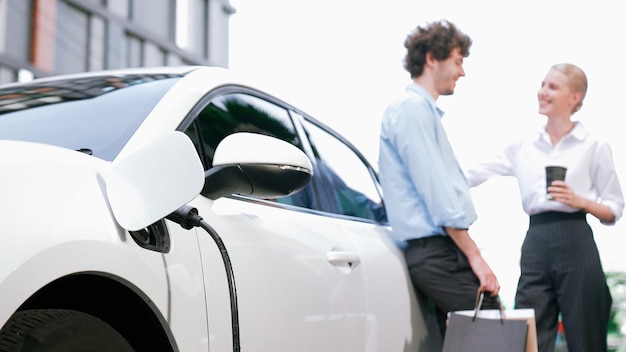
[[61, 186], [43, 186]]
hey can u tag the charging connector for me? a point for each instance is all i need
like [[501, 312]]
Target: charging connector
[[187, 217]]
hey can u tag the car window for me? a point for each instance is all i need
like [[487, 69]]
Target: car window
[[345, 183], [238, 112]]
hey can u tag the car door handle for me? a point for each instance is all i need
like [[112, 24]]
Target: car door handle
[[343, 257]]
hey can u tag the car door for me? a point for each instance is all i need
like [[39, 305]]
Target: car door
[[299, 282], [349, 189]]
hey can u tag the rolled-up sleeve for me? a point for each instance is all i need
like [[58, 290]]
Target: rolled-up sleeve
[[607, 182]]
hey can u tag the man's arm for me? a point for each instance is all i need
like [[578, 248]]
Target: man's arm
[[488, 280]]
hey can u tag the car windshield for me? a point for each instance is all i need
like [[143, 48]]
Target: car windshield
[[95, 115]]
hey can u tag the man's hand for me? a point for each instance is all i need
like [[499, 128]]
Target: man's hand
[[488, 280]]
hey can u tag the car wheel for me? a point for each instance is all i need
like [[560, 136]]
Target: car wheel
[[59, 330]]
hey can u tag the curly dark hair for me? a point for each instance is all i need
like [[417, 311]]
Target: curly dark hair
[[439, 38]]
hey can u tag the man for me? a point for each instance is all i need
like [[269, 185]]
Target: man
[[426, 194]]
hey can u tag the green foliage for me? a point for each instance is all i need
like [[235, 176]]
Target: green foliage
[[617, 320]]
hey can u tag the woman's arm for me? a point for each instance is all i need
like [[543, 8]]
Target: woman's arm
[[561, 192]]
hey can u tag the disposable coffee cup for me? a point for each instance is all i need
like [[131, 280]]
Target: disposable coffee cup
[[554, 173]]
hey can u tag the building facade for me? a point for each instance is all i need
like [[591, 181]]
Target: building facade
[[46, 37]]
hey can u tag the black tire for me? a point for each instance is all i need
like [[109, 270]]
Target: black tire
[[59, 330]]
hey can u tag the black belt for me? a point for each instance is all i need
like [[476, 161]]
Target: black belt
[[555, 216], [426, 240]]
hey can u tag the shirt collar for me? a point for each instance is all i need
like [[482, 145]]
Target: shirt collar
[[418, 89], [578, 132]]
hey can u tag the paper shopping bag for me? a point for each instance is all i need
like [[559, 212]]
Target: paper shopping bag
[[491, 329], [474, 334], [525, 314]]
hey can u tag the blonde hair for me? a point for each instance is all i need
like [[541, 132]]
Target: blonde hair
[[577, 80]]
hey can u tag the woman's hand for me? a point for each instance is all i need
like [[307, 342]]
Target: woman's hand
[[561, 192]]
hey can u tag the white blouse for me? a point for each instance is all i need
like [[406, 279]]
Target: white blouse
[[589, 162]]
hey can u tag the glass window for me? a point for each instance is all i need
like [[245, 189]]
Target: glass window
[[96, 43], [116, 49], [153, 55], [96, 115], [230, 113], [134, 51], [173, 60], [16, 31], [71, 39], [344, 183], [119, 7], [192, 26], [154, 15]]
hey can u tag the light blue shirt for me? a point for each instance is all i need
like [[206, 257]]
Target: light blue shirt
[[423, 184]]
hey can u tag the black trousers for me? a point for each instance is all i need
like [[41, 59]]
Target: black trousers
[[441, 273], [561, 273]]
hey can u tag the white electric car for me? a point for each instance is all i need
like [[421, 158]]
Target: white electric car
[[179, 209]]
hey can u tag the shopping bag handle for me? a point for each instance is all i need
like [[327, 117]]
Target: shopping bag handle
[[480, 296]]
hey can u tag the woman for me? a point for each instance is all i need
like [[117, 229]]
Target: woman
[[561, 272]]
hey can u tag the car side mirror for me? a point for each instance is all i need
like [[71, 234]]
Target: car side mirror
[[256, 165], [154, 181]]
